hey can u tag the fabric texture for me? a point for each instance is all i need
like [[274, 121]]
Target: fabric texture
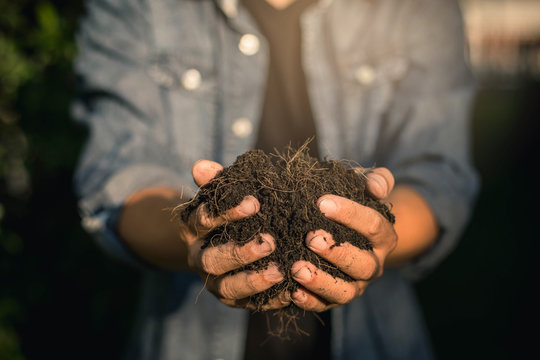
[[167, 82]]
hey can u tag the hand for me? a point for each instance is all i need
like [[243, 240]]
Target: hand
[[213, 263], [319, 290]]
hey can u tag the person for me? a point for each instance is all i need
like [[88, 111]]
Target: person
[[172, 91]]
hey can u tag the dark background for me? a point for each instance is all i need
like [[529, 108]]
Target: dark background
[[61, 298]]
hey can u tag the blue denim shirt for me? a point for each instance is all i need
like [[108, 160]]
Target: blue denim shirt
[[164, 83]]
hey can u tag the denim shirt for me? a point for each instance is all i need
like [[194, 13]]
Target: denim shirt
[[167, 82]]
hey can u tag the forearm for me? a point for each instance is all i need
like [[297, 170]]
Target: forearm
[[415, 225], [147, 227]]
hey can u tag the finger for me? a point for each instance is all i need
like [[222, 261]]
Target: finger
[[201, 222], [245, 283], [357, 263], [380, 182], [277, 302], [306, 300], [280, 301], [327, 287], [205, 170], [362, 219], [218, 260]]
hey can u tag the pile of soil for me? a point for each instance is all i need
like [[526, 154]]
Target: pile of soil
[[287, 186]]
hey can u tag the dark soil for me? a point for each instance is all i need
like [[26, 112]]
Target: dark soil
[[287, 186]]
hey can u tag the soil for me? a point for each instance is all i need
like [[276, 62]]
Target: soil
[[287, 186]]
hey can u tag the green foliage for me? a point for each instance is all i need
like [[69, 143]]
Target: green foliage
[[9, 341], [58, 292], [29, 46], [36, 42], [15, 69]]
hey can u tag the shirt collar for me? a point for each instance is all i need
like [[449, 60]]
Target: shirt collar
[[229, 7]]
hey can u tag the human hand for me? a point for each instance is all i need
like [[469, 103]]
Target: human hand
[[319, 290], [213, 263]]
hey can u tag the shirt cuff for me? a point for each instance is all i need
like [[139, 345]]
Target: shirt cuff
[[102, 227], [100, 211], [452, 214]]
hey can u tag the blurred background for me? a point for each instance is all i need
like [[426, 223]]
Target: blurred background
[[61, 298]]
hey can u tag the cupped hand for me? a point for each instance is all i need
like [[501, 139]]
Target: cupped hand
[[214, 263], [319, 290]]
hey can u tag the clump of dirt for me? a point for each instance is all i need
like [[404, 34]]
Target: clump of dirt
[[287, 186]]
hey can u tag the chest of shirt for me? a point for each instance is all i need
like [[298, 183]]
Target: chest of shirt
[[211, 63]]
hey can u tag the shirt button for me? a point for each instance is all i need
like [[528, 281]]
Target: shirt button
[[242, 127], [365, 74], [91, 224], [249, 44], [191, 79]]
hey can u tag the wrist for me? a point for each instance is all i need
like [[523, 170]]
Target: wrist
[[147, 226], [416, 225]]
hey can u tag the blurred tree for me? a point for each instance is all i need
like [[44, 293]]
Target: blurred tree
[[57, 293]]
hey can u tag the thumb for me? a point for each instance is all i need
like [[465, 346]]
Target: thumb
[[380, 182], [205, 170]]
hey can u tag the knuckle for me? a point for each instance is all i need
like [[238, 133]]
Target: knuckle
[[319, 307], [370, 268], [225, 290], [346, 297], [342, 256], [208, 264], [252, 282], [349, 296], [308, 305], [239, 256], [376, 225], [369, 274], [372, 273], [229, 302], [313, 303], [342, 300]]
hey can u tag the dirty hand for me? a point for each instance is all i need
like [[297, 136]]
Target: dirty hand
[[319, 290], [212, 263]]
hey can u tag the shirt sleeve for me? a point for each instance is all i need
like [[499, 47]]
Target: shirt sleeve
[[128, 146], [426, 135]]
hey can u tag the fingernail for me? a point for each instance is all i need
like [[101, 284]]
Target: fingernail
[[272, 274], [318, 243], [304, 274], [248, 206], [209, 165], [379, 184], [263, 246], [327, 206]]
